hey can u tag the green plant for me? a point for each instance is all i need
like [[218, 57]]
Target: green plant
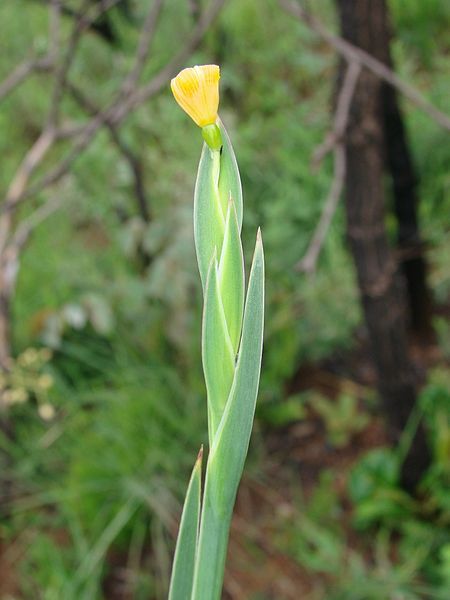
[[231, 344], [103, 479], [27, 379], [420, 25], [341, 416], [434, 401], [419, 525], [279, 414], [374, 489], [401, 558]]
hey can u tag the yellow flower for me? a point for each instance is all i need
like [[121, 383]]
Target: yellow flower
[[197, 92]]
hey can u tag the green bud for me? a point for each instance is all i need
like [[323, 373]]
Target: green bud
[[212, 136]]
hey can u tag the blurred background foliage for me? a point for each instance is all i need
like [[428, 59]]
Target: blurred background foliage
[[109, 413]]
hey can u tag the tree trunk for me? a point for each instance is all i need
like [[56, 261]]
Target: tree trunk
[[404, 182], [363, 23], [400, 165]]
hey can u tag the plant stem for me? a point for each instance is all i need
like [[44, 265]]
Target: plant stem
[[212, 550]]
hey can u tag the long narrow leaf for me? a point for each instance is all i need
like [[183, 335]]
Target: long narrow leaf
[[185, 551], [217, 351], [231, 277], [230, 444], [209, 217], [229, 180], [229, 450]]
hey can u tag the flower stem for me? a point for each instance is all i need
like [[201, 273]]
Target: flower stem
[[211, 551]]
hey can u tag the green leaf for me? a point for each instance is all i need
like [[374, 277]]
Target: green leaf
[[231, 277], [229, 179], [186, 548], [230, 444], [218, 180], [211, 553], [217, 351], [209, 217]]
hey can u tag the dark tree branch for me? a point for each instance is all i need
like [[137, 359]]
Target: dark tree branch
[[132, 159]]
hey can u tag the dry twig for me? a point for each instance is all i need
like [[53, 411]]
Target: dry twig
[[131, 158], [46, 63], [120, 108], [333, 141], [128, 97]]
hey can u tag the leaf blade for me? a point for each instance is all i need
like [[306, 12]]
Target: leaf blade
[[186, 548], [230, 446], [229, 178], [209, 221], [217, 351], [232, 277]]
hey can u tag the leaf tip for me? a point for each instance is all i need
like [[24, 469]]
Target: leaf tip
[[259, 236], [199, 456]]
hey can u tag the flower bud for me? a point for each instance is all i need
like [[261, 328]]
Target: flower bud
[[212, 136]]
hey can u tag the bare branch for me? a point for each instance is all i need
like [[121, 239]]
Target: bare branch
[[97, 11], [20, 181], [54, 34], [147, 36], [132, 159], [22, 72], [29, 224], [29, 163], [333, 141], [120, 108], [46, 63], [352, 53], [341, 114], [62, 71], [130, 81], [309, 261], [172, 68]]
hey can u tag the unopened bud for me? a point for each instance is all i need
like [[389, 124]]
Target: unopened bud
[[212, 136]]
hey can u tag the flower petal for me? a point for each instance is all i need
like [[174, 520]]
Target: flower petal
[[196, 90]]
